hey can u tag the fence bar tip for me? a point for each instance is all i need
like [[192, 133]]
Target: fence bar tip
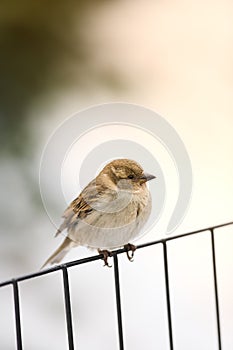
[[17, 315], [118, 302], [68, 308]]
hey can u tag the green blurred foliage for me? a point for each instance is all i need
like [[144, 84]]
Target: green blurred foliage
[[37, 40]]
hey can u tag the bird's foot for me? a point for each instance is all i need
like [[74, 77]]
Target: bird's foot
[[130, 249], [106, 254]]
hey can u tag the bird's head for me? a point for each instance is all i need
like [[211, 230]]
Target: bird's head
[[126, 174]]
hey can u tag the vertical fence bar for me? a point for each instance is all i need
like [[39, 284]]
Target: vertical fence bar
[[216, 289], [118, 302], [167, 295], [68, 308], [17, 315]]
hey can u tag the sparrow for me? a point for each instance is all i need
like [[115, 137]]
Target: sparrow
[[109, 213]]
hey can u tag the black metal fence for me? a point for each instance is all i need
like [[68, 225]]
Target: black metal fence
[[64, 269]]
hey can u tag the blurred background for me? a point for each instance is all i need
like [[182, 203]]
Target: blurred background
[[174, 57]]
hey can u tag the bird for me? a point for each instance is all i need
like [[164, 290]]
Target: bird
[[109, 213]]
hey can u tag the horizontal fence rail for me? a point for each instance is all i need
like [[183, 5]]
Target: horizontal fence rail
[[67, 299]]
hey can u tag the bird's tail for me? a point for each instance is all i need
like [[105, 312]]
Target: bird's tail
[[59, 254]]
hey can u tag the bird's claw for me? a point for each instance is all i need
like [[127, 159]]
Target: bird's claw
[[130, 249], [106, 254]]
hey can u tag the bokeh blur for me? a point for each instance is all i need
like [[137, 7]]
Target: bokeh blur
[[58, 57]]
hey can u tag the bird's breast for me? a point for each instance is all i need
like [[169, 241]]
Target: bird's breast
[[116, 223]]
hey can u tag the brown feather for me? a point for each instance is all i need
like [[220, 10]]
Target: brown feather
[[59, 254]]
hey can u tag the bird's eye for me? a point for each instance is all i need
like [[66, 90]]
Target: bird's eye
[[130, 176]]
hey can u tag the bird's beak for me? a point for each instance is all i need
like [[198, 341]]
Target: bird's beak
[[147, 177]]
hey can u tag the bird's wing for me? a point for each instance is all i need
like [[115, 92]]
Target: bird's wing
[[89, 199]]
